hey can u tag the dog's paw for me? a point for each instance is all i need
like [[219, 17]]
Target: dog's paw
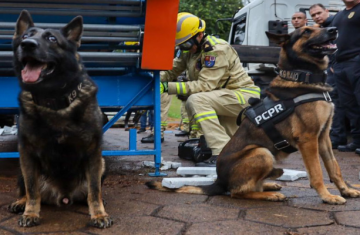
[[350, 193], [276, 197], [29, 220], [16, 207], [334, 200], [271, 187], [102, 221]]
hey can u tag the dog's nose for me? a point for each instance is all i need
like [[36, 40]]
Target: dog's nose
[[332, 30], [29, 44]]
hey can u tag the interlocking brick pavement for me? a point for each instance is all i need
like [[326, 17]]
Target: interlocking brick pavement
[[138, 210]]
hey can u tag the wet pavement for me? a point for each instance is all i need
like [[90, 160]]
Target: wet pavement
[[139, 210]]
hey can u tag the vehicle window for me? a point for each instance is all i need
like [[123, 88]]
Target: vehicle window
[[239, 30]]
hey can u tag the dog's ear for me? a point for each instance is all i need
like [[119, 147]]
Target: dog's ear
[[278, 38], [23, 23], [73, 30]]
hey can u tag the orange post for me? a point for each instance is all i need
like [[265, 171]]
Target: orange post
[[159, 34]]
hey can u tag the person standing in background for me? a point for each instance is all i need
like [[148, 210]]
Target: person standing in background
[[347, 69], [298, 20], [338, 135]]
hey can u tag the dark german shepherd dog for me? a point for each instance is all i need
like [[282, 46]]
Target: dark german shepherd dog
[[248, 158], [60, 125]]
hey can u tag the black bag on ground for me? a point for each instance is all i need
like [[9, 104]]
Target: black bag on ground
[[194, 150]]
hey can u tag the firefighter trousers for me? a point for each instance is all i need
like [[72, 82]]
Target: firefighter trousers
[[188, 126], [165, 102], [216, 113]]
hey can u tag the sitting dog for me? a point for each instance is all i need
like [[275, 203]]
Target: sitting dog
[[248, 158], [60, 125]]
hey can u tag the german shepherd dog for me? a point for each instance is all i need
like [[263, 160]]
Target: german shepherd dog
[[60, 125], [248, 158]]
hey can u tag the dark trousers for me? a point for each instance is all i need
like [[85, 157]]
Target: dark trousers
[[338, 129], [148, 114], [347, 78]]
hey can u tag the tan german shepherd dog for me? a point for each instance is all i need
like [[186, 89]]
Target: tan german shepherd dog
[[248, 158]]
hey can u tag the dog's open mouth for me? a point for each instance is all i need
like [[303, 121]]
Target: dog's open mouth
[[34, 69], [325, 48]]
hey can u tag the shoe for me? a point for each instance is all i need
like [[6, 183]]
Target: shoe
[[211, 162], [348, 148], [182, 133], [357, 151], [141, 130], [336, 144], [150, 139]]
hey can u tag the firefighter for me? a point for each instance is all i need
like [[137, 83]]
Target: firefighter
[[218, 89]]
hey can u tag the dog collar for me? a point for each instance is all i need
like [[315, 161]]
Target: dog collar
[[301, 76], [60, 102]]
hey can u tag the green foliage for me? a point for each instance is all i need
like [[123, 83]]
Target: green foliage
[[210, 11], [174, 111]]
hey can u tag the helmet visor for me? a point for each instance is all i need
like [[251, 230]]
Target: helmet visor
[[185, 46]]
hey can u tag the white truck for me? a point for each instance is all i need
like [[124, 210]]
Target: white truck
[[247, 33]]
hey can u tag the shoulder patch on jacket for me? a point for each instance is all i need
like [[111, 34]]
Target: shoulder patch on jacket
[[209, 61], [207, 47]]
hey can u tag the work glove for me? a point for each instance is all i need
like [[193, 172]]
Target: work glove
[[182, 97], [163, 87]]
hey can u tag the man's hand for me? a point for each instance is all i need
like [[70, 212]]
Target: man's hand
[[163, 87]]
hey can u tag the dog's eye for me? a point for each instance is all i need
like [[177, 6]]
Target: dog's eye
[[307, 31], [25, 36], [51, 39]]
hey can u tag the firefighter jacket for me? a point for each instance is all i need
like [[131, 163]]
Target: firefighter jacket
[[216, 65]]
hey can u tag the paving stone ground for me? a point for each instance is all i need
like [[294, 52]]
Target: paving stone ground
[[138, 210]]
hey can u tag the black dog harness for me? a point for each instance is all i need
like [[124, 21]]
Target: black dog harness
[[267, 113]]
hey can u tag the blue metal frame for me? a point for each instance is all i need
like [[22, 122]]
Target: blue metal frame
[[155, 84], [138, 89], [157, 120], [120, 88]]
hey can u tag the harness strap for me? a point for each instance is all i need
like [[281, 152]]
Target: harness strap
[[280, 143], [287, 107], [312, 97]]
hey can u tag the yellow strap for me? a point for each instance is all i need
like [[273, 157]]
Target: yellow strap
[[215, 40], [205, 116], [194, 127], [200, 114], [181, 88], [253, 90], [211, 40], [240, 97]]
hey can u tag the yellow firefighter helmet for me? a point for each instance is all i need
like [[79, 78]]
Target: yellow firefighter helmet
[[188, 25]]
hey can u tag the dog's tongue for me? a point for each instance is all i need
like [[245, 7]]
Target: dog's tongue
[[31, 73]]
